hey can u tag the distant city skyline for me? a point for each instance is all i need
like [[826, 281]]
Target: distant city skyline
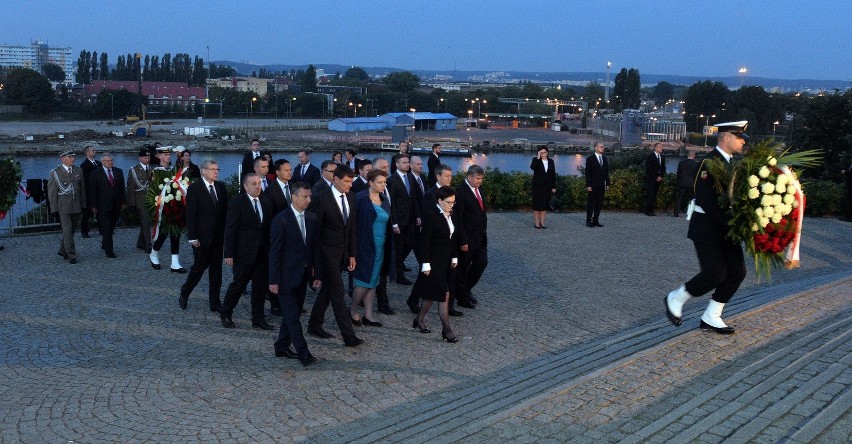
[[778, 39]]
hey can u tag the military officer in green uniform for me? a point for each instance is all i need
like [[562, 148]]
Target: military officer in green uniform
[[66, 194], [138, 181]]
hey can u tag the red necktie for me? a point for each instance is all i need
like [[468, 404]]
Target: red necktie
[[479, 198], [109, 176]]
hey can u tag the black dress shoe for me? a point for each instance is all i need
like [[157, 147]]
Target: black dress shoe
[[182, 301], [473, 299], [180, 270], [275, 311], [73, 260], [111, 255], [449, 336], [402, 280], [308, 360], [674, 319], [354, 342], [156, 266], [590, 225], [721, 330], [85, 236], [262, 324], [466, 304], [370, 323], [320, 333], [227, 322], [387, 311], [64, 255], [287, 353], [598, 224], [215, 308], [422, 329], [675, 215], [453, 312], [414, 308]]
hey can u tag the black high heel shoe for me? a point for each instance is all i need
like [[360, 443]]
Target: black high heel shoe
[[422, 329], [356, 322], [451, 338]]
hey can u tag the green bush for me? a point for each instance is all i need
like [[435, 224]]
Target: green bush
[[823, 197]]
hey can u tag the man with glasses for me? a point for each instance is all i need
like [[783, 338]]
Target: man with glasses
[[324, 184]]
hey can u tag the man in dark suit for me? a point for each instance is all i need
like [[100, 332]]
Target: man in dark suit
[[471, 221], [279, 191], [294, 261], [686, 170], [206, 210], [89, 165], [433, 163], [106, 199], [597, 182], [246, 248], [305, 172], [335, 214], [419, 180], [360, 182], [721, 259], [405, 214], [352, 160], [324, 184], [655, 170], [253, 153]]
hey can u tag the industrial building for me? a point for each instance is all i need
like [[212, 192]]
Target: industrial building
[[420, 121], [159, 94], [36, 55]]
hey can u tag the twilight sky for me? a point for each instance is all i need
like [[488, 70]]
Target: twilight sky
[[772, 38]]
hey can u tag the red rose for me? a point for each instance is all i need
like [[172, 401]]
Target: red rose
[[795, 214]]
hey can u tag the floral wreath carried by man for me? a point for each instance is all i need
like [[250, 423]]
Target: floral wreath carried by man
[[166, 201]]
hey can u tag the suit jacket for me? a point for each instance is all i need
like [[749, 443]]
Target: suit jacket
[[597, 175], [470, 220], [358, 185], [311, 176], [288, 253], [336, 239], [248, 161], [88, 167], [713, 223], [192, 172], [654, 169], [686, 170], [433, 163], [319, 187], [404, 209], [276, 196], [246, 238], [65, 191], [417, 192], [103, 195], [541, 178], [138, 181], [205, 221], [436, 246]]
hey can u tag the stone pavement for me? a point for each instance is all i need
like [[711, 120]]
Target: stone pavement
[[569, 343]]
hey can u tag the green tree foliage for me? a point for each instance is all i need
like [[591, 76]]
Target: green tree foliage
[[104, 71], [402, 82], [754, 104], [53, 72], [626, 93], [116, 106], [594, 92], [826, 124], [705, 98], [27, 87], [663, 91], [219, 71], [83, 74], [357, 73], [309, 80]]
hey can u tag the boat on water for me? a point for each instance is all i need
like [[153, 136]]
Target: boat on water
[[446, 150]]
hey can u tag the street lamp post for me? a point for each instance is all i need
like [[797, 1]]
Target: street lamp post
[[774, 125], [706, 126], [290, 108], [251, 106], [111, 107]]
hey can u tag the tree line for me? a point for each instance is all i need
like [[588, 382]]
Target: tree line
[[166, 68]]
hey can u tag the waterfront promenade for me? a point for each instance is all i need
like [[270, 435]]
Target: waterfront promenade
[[569, 344]]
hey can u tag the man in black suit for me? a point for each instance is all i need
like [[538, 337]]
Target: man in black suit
[[294, 261], [324, 184], [419, 180], [206, 210], [597, 182], [433, 163], [686, 171], [471, 221], [335, 214], [360, 182], [405, 214], [249, 157], [279, 192], [305, 172], [352, 160], [88, 166], [721, 259], [246, 248], [106, 199], [655, 170]]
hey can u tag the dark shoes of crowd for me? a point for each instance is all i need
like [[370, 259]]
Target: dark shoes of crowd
[[593, 224]]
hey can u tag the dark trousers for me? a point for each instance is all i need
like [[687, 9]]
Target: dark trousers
[[68, 223], [403, 243], [84, 220], [161, 239], [471, 266], [722, 268], [332, 293], [143, 241], [684, 194], [206, 258], [258, 274], [106, 227], [594, 203], [651, 189], [291, 329]]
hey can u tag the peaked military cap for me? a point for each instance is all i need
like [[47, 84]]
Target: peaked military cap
[[736, 128]]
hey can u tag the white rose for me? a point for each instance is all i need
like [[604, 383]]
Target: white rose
[[177, 198], [772, 161], [784, 209], [160, 187], [789, 198], [178, 194], [759, 212], [764, 172], [766, 200], [166, 180], [753, 181], [767, 188], [768, 211], [754, 227], [782, 181], [795, 204], [764, 221], [753, 193], [791, 189], [777, 199], [168, 198], [175, 185], [776, 218]]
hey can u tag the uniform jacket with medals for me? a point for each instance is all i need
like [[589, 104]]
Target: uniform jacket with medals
[[712, 225], [138, 181], [65, 190]]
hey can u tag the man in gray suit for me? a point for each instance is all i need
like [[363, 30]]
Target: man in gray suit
[[66, 194]]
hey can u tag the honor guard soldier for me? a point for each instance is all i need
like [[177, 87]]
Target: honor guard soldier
[[164, 154], [138, 181], [721, 259], [66, 194]]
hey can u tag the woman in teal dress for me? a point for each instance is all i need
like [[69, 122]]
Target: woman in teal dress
[[372, 233]]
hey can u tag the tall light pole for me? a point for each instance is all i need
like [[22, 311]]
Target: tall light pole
[[111, 108], [774, 125], [290, 108], [706, 126], [251, 106], [606, 87], [439, 105]]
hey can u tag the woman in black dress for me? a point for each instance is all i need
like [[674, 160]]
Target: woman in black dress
[[543, 186], [437, 256]]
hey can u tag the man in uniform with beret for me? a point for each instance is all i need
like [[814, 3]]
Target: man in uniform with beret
[[721, 259], [138, 181], [66, 194]]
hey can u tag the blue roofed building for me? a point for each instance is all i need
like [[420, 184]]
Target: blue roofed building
[[360, 124], [423, 121]]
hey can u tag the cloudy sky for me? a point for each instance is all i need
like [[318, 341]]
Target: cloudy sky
[[779, 38]]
